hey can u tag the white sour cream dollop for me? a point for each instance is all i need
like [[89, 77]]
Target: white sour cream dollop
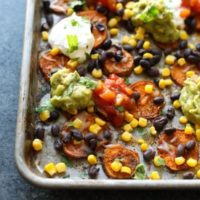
[[73, 37]]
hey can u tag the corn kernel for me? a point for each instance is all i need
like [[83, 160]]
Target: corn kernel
[[95, 128], [44, 115], [198, 174], [72, 64], [144, 146], [94, 56], [116, 166], [97, 73], [132, 42], [134, 123], [128, 127], [148, 89], [70, 11], [50, 169], [179, 160], [55, 51], [190, 74], [140, 30], [90, 109], [125, 39], [140, 141], [128, 116], [112, 22], [188, 129], [183, 120], [61, 167], [45, 35], [181, 61], [138, 70], [168, 82], [162, 84], [77, 123], [170, 59], [126, 170], [114, 32], [191, 46], [154, 175], [198, 135], [165, 72], [142, 122], [156, 161], [146, 45], [126, 136], [37, 144], [183, 35], [92, 159], [148, 55], [153, 130], [119, 6], [191, 162], [176, 104], [127, 14], [99, 121], [130, 5]]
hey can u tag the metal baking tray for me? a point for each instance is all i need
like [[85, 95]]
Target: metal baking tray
[[25, 121]]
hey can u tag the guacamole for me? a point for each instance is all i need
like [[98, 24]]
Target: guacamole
[[190, 99], [157, 19], [71, 92]]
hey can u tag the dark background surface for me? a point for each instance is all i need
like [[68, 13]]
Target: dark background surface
[[12, 186]]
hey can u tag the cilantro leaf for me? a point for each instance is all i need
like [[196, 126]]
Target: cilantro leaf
[[160, 161], [89, 83], [150, 14], [120, 108], [46, 105], [74, 22], [127, 81], [72, 43], [67, 161], [140, 172]]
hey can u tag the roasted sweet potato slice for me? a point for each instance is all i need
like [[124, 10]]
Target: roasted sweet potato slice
[[47, 63], [126, 156], [121, 68], [167, 148], [145, 106], [178, 73], [95, 18]]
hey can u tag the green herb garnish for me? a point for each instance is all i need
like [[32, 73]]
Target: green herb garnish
[[120, 108], [150, 14], [140, 173], [72, 43], [143, 133], [160, 161], [127, 81], [67, 176], [89, 83], [46, 105], [67, 161], [74, 22]]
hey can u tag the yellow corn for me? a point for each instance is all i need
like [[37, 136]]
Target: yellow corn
[[191, 162], [189, 129], [153, 130], [148, 55], [181, 61], [119, 6], [165, 72], [55, 51], [77, 123], [70, 11], [179, 160], [92, 159], [170, 59], [142, 122], [126, 170], [162, 84], [97, 73], [112, 22], [168, 82], [138, 70], [198, 174], [190, 74], [116, 166], [154, 175], [134, 123], [95, 128], [128, 116], [45, 35], [176, 104], [156, 161], [99, 121], [140, 141], [94, 56], [126, 136], [37, 144], [72, 64], [114, 32], [183, 35], [132, 42], [127, 14], [183, 120], [198, 135], [125, 39], [44, 115], [140, 33], [130, 5], [144, 146], [50, 169], [128, 127], [146, 45], [61, 167], [148, 89]]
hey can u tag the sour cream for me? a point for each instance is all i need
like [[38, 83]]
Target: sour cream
[[73, 37]]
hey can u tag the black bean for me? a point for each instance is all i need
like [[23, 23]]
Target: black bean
[[170, 113], [170, 130], [180, 150], [145, 63], [153, 72], [167, 51], [190, 145], [192, 59], [97, 64], [58, 144], [190, 22], [118, 56], [178, 54], [103, 57], [160, 122], [187, 52], [196, 53], [120, 12], [49, 19], [128, 25], [118, 47], [110, 54], [137, 59], [89, 136], [101, 9], [128, 47], [91, 65], [198, 47], [158, 100], [46, 5], [55, 130], [140, 44], [136, 95], [76, 134], [44, 26], [107, 134], [155, 60], [66, 137], [149, 154], [175, 96], [142, 51], [93, 144], [100, 27], [81, 70], [107, 44], [156, 52], [188, 175], [183, 44], [54, 115], [39, 133], [93, 171]]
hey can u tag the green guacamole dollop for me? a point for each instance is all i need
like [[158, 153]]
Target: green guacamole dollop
[[71, 92], [190, 99], [156, 19]]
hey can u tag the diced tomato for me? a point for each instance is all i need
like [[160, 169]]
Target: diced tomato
[[110, 4], [108, 95], [193, 4]]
